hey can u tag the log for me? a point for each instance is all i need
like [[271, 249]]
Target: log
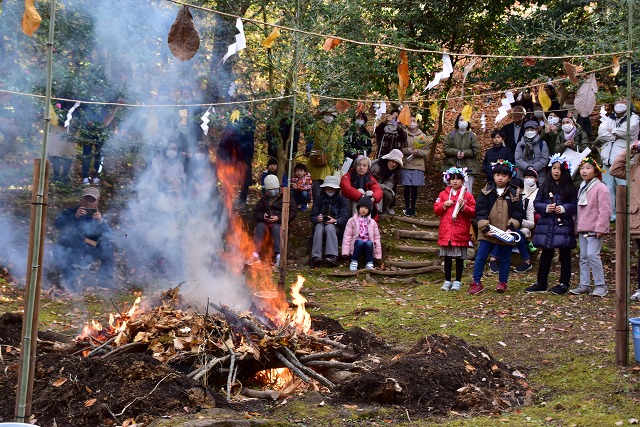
[[410, 264], [329, 341], [417, 234], [331, 364], [418, 249], [417, 221], [313, 374], [333, 354], [201, 371], [261, 394], [132, 347], [386, 272]]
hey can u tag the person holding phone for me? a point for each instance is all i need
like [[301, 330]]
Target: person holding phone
[[84, 238]]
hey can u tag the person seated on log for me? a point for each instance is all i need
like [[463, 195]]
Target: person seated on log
[[329, 216], [386, 170], [358, 182], [84, 238], [362, 235], [268, 216]]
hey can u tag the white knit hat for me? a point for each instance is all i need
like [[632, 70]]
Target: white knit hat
[[271, 182]]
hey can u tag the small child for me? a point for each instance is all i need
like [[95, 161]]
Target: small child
[[453, 235], [499, 205], [592, 223], [362, 233], [301, 186], [272, 169]]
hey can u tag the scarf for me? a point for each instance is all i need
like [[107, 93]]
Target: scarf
[[584, 189], [363, 228], [528, 146], [571, 134]]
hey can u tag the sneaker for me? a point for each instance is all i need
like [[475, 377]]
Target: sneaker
[[315, 261], [475, 288], [501, 288], [96, 181], [535, 288], [353, 266], [532, 248], [446, 285], [278, 261], [524, 267], [254, 259], [494, 267], [369, 265], [599, 291], [582, 289], [559, 289], [331, 260], [636, 296], [86, 181], [456, 286], [391, 211]]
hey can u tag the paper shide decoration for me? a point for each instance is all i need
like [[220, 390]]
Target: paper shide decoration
[[241, 42], [205, 120], [503, 110], [447, 69], [70, 114]]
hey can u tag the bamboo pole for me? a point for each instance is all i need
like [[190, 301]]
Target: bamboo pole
[[622, 249], [39, 198], [284, 236]]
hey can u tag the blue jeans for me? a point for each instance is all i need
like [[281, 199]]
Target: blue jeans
[[301, 197], [503, 255], [358, 246], [522, 248]]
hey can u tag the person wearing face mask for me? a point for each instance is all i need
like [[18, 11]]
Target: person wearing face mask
[[572, 136], [326, 154], [168, 170], [532, 152], [612, 134], [550, 131], [461, 150], [329, 216], [390, 134], [357, 139], [268, 216], [497, 151], [414, 165], [569, 110], [358, 182]]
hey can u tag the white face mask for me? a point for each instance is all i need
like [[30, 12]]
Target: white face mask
[[274, 192], [620, 108], [171, 154], [530, 182], [359, 122], [462, 125], [539, 114], [330, 193], [328, 118], [554, 120], [567, 127], [530, 134]]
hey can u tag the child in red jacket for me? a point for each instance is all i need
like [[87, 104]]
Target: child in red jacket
[[453, 235]]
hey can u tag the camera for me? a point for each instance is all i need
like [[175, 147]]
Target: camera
[[90, 212]]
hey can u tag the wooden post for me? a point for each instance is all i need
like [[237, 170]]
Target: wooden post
[[284, 236], [621, 322], [38, 284]]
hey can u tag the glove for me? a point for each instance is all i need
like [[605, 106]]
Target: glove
[[369, 193], [361, 191], [511, 227]]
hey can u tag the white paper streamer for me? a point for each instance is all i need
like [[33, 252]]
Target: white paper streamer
[[205, 120], [241, 42], [502, 113], [447, 69], [483, 122], [232, 89], [70, 114], [380, 110]]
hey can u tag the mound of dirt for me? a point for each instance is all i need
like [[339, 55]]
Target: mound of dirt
[[10, 329], [437, 375]]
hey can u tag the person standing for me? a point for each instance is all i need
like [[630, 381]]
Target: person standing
[[357, 139], [461, 150], [236, 151], [514, 131], [325, 138], [532, 152], [414, 165], [497, 151], [390, 134]]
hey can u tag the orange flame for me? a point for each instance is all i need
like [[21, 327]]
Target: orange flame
[[301, 318], [117, 324]]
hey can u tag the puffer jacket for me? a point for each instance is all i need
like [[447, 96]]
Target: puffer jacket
[[468, 144], [505, 211], [351, 234], [553, 230], [613, 131], [538, 160], [617, 170], [454, 232]]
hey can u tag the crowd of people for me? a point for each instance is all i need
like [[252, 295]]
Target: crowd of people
[[537, 197]]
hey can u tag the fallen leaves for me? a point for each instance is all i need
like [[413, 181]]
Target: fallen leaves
[[90, 402], [59, 382]]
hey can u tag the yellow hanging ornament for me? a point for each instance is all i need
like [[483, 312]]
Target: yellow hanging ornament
[[433, 109], [544, 99], [53, 116], [31, 18], [235, 116], [418, 117], [315, 101], [466, 113], [268, 42]]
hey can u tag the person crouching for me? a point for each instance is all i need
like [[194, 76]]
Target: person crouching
[[362, 234]]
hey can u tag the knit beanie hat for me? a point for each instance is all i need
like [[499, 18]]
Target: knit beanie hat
[[365, 201], [271, 182]]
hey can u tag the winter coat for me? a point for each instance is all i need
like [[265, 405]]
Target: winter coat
[[357, 140], [510, 141], [386, 178], [416, 140], [617, 170], [326, 137], [304, 184], [505, 211], [74, 230], [529, 221], [272, 207], [468, 144], [337, 207], [454, 232], [389, 137], [494, 154], [595, 216], [538, 160], [613, 134], [351, 192], [351, 234], [553, 230]]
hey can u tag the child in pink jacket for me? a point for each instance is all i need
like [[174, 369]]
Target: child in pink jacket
[[592, 223], [362, 234]]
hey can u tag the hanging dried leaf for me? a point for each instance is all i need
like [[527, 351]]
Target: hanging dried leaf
[[544, 99], [342, 106], [330, 43], [31, 18], [359, 108], [184, 40], [315, 101], [571, 71], [467, 110], [268, 42], [616, 67], [418, 117], [235, 116], [585, 100], [433, 109], [405, 115], [403, 75], [53, 116], [529, 62]]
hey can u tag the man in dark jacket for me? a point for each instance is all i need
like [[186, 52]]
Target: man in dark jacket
[[268, 216], [514, 131], [329, 216], [84, 238], [237, 147]]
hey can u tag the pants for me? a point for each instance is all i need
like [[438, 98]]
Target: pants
[[301, 197], [68, 258], [546, 258], [611, 183], [521, 245], [410, 196], [448, 264], [87, 150], [321, 233], [61, 167], [388, 198], [361, 245], [264, 229], [590, 261], [504, 257]]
